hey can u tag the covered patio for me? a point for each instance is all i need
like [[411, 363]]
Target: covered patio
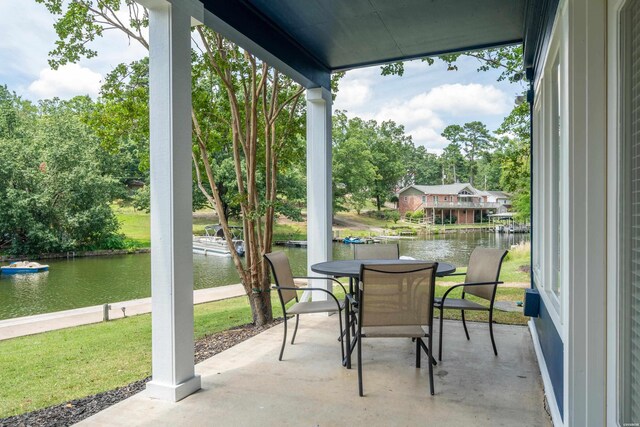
[[247, 385]]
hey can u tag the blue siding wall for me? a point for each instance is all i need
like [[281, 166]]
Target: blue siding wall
[[552, 349]]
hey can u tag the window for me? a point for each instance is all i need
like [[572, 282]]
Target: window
[[435, 198], [424, 199], [405, 198], [629, 217], [537, 236]]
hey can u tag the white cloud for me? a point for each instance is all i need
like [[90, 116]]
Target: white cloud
[[429, 137], [461, 99], [27, 36], [356, 94], [426, 114], [355, 89], [66, 82]]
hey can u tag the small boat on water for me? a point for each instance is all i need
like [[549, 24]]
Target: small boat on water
[[214, 243], [353, 240], [23, 267]]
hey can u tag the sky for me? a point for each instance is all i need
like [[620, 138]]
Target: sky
[[424, 100]]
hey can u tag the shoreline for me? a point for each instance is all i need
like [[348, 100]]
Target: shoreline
[[75, 254], [37, 323]]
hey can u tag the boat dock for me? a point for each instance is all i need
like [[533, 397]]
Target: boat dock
[[291, 243]]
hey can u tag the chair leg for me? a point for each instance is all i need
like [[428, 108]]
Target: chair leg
[[418, 350], [429, 349], [360, 366], [347, 319], [284, 339], [441, 326], [295, 330], [493, 341], [466, 332], [428, 352], [340, 339]]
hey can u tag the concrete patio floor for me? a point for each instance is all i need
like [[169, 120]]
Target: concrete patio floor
[[247, 385]]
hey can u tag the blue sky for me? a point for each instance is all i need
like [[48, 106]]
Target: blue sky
[[425, 100]]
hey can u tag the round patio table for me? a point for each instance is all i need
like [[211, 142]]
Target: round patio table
[[351, 268]]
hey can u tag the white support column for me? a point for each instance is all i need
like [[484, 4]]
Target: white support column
[[319, 200], [171, 182]]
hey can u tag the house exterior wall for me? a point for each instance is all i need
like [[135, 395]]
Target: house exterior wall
[[569, 239], [409, 200]]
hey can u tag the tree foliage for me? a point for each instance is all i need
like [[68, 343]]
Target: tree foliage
[[507, 60], [57, 182], [516, 159], [474, 140], [246, 117]]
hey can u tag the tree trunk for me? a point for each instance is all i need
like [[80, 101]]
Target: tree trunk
[[378, 202], [260, 301]]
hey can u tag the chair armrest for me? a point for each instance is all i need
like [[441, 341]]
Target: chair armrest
[[310, 289], [465, 284], [322, 278]]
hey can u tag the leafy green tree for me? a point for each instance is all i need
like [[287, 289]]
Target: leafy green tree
[[420, 166], [516, 158], [260, 107], [454, 167], [474, 140], [353, 162], [387, 149], [369, 160], [56, 193]]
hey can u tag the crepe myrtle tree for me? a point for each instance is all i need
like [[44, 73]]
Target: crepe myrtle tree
[[261, 108]]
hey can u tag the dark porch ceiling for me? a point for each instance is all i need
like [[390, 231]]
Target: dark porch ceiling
[[316, 37]]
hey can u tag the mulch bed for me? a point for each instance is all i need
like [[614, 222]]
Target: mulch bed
[[74, 411]]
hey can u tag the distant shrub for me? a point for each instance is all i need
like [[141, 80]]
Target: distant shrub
[[393, 216], [417, 215]]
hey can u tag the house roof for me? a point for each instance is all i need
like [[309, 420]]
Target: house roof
[[498, 194], [311, 39], [451, 189]]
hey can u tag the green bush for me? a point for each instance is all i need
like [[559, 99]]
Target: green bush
[[393, 216], [418, 215]]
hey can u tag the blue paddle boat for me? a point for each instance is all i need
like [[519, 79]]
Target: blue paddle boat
[[353, 240], [23, 267]]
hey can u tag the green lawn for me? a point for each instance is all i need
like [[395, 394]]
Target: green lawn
[[54, 367], [135, 225]]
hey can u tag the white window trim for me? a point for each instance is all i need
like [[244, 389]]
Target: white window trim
[[613, 197]]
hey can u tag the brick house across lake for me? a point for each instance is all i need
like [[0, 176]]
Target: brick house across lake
[[461, 202]]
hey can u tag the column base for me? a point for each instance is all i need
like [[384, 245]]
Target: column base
[[173, 393]]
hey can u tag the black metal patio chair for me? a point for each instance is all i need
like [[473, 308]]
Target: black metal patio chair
[[288, 291], [481, 281]]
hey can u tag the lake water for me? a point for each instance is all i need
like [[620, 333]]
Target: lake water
[[83, 282]]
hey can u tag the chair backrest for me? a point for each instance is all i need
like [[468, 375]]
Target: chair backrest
[[376, 251], [397, 294], [282, 274], [484, 266]]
